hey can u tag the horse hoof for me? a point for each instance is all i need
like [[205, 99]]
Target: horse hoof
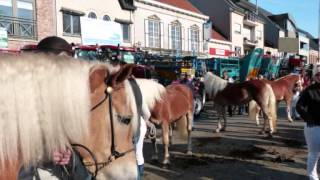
[[154, 158], [189, 152], [166, 162], [290, 121], [270, 135], [262, 132], [217, 130]]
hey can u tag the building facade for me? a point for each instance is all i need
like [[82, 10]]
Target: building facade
[[219, 46], [168, 27], [27, 21], [68, 15], [236, 21]]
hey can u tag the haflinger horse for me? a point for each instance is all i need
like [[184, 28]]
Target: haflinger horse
[[223, 93], [283, 91], [176, 105], [50, 102]]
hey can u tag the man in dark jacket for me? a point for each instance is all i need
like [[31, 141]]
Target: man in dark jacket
[[308, 108]]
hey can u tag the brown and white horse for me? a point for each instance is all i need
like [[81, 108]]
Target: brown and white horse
[[223, 93], [48, 104], [176, 105], [283, 90]]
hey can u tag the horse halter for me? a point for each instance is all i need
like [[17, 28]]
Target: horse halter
[[114, 153]]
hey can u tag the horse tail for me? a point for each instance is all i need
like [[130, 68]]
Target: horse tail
[[253, 111], [272, 106]]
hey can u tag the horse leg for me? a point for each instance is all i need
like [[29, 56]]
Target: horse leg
[[257, 115], [165, 140], [170, 134], [288, 103], [219, 111], [190, 124], [155, 149], [224, 116]]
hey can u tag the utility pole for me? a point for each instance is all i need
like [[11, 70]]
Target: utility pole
[[318, 59], [257, 8]]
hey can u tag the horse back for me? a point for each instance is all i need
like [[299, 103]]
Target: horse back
[[176, 102]]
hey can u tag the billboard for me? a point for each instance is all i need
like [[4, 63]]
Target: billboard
[[3, 38], [96, 31], [289, 45]]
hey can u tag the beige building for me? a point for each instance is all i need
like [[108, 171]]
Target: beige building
[[172, 27], [68, 13]]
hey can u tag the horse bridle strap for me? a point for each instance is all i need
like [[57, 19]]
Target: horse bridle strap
[[114, 153]]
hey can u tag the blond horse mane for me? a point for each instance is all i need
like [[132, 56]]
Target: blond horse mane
[[45, 105], [151, 91], [213, 84]]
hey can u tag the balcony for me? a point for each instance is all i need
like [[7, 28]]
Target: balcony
[[19, 28], [250, 42], [250, 19]]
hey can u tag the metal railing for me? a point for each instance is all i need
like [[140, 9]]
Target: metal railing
[[250, 16], [19, 28]]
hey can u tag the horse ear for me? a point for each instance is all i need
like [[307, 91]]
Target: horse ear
[[124, 72], [97, 77]]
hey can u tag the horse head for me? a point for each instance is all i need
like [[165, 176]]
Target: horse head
[[113, 124], [49, 104]]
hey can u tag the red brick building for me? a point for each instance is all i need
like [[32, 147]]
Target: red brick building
[[27, 21]]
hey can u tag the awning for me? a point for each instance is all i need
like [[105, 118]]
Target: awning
[[72, 11], [123, 21]]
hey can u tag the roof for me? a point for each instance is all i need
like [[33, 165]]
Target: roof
[[264, 14], [182, 4], [245, 6], [279, 17], [216, 35]]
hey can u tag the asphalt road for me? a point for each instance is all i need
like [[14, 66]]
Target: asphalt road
[[239, 153]]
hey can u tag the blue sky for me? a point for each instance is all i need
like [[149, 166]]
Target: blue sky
[[304, 12]]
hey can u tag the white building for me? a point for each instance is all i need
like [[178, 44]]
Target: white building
[[172, 27]]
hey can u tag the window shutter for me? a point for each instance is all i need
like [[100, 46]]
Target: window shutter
[[170, 36], [146, 33], [189, 40], [183, 44], [161, 35]]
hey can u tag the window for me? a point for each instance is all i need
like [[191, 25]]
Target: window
[[71, 23], [106, 18], [237, 28], [126, 32], [6, 8], [194, 39], [237, 50], [18, 16], [176, 36], [154, 33], [259, 35], [92, 15]]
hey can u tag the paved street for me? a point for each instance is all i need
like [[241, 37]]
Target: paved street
[[238, 153]]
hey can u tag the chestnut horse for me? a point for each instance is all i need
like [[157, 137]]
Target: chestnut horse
[[283, 90], [176, 105], [223, 93], [48, 104]]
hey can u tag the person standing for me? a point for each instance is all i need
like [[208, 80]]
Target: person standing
[[308, 107]]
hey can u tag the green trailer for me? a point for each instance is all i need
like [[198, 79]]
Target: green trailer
[[219, 65], [250, 64], [270, 66]]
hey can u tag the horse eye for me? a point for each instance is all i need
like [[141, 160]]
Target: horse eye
[[124, 119]]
